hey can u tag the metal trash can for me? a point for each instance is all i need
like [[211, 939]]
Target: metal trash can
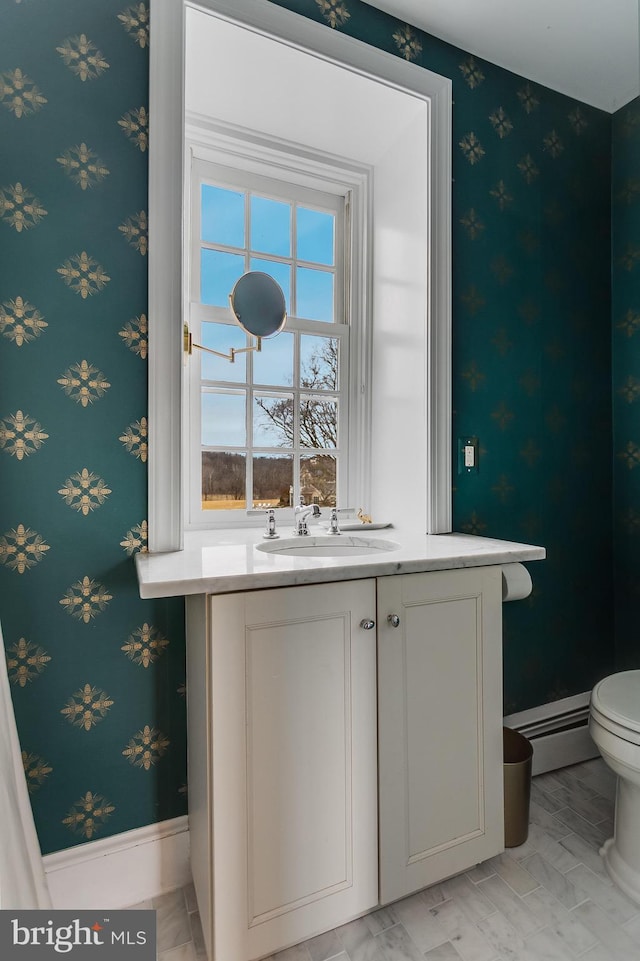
[[517, 786]]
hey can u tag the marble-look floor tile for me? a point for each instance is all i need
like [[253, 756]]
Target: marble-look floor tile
[[469, 897], [184, 952], [444, 952], [590, 832], [513, 873], [539, 842], [325, 946], [502, 936], [553, 880], [396, 945], [549, 823], [512, 906], [422, 926], [565, 926], [613, 936], [568, 778], [601, 891], [584, 853], [632, 927], [547, 946], [604, 784], [381, 919], [358, 941], [593, 809], [545, 799], [470, 944], [298, 952], [173, 927]]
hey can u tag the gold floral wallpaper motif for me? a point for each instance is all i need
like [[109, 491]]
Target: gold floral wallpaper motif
[[136, 539], [21, 435], [20, 321], [146, 747], [87, 707], [19, 94], [88, 815], [21, 549], [135, 20], [82, 57], [84, 383], [135, 230], [135, 124], [83, 275], [83, 166], [135, 440], [25, 661], [145, 645], [36, 769], [471, 72], [85, 491], [407, 42], [86, 599], [134, 334], [335, 12], [20, 208]]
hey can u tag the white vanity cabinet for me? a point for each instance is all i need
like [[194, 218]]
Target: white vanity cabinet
[[439, 724], [282, 763], [301, 719]]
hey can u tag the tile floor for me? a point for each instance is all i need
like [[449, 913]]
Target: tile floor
[[548, 900]]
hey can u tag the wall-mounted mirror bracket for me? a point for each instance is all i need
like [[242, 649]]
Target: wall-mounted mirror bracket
[[189, 344]]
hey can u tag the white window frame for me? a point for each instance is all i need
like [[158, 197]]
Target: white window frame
[[209, 158], [166, 184]]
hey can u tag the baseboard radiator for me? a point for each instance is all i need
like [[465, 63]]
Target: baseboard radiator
[[559, 732]]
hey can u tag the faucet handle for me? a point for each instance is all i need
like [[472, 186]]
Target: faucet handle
[[333, 522], [270, 531]]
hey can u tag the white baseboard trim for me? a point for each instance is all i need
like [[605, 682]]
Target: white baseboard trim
[[122, 870], [559, 732]]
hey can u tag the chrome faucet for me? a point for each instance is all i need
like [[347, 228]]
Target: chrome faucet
[[334, 527], [333, 522], [301, 514]]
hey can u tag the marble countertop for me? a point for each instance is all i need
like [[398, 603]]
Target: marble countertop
[[216, 562]]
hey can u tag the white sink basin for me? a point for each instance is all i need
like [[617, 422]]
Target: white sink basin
[[327, 546]]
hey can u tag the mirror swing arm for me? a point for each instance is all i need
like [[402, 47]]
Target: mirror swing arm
[[189, 344], [259, 306]]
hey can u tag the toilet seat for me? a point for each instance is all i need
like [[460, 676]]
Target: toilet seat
[[615, 705]]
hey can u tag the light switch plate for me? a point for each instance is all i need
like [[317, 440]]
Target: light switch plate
[[468, 455]]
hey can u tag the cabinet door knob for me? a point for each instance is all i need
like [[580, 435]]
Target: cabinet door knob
[[367, 625], [394, 620]]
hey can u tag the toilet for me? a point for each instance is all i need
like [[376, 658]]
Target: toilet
[[614, 725]]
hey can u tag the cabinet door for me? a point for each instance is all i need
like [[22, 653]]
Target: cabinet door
[[292, 694], [440, 726]]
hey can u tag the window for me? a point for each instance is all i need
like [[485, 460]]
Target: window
[[402, 275], [271, 427]]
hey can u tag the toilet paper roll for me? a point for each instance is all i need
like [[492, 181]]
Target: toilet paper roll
[[516, 582]]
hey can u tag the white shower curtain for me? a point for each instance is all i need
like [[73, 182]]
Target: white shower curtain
[[22, 879]]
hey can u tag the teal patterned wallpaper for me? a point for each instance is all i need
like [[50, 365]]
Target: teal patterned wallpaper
[[97, 674], [626, 377]]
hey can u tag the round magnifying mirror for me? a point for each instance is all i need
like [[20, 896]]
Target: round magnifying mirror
[[258, 303]]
